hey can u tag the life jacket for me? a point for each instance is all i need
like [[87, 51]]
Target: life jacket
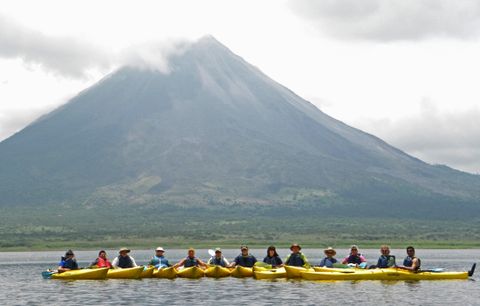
[[354, 259], [245, 261], [386, 261], [125, 262], [190, 262], [408, 261], [295, 260], [103, 263], [69, 263], [328, 262], [159, 262], [274, 261], [218, 261]]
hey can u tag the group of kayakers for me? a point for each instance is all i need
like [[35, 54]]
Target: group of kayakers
[[245, 259]]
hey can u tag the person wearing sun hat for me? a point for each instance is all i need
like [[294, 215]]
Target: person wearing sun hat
[[123, 260], [296, 258], [218, 259], [158, 260], [329, 259]]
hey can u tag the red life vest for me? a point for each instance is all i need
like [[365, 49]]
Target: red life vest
[[103, 263]]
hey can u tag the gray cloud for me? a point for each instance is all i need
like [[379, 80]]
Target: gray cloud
[[436, 137], [13, 120], [381, 20], [61, 55]]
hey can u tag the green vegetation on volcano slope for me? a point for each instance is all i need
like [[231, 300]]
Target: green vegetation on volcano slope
[[144, 226]]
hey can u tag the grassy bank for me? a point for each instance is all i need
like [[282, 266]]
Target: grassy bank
[[47, 229]]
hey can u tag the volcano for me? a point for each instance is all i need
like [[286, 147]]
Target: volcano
[[214, 128]]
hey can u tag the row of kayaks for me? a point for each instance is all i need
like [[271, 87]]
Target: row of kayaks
[[316, 273]]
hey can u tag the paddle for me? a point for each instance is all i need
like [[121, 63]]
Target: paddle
[[211, 252], [472, 270]]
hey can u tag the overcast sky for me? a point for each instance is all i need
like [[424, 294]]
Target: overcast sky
[[404, 70]]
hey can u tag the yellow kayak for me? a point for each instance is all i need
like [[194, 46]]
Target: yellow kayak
[[342, 270], [383, 274], [295, 272], [81, 274], [128, 273], [169, 273], [240, 271], [217, 272], [147, 272], [191, 272], [270, 274]]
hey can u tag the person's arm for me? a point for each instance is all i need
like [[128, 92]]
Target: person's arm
[[234, 262], [133, 262], [226, 262], [287, 260], [209, 262], [306, 264], [322, 262], [115, 263], [362, 258], [345, 260], [201, 263], [94, 263], [415, 264], [180, 263]]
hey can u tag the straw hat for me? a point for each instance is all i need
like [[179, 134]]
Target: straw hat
[[295, 245], [124, 250], [330, 250]]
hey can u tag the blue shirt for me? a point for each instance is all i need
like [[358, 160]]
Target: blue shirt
[[159, 262], [327, 262]]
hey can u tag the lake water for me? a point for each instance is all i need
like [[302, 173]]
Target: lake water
[[22, 284]]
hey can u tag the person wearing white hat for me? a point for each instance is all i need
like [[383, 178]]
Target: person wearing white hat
[[158, 260]]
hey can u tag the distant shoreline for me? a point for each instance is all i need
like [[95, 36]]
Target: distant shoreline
[[84, 246]]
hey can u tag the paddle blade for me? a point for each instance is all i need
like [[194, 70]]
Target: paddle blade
[[472, 270], [47, 274], [211, 252]]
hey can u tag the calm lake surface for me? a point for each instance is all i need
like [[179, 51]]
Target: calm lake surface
[[22, 284]]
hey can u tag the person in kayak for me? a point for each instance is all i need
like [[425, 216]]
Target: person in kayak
[[296, 258], [158, 260], [355, 258], [385, 260], [218, 259], [329, 258], [272, 257], [245, 259], [411, 262], [101, 261], [68, 262], [123, 260], [190, 261]]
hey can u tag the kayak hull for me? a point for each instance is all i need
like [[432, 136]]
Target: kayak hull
[[82, 274], [383, 274], [147, 272], [217, 272], [295, 272], [240, 272], [169, 273], [128, 273], [191, 272], [270, 274]]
